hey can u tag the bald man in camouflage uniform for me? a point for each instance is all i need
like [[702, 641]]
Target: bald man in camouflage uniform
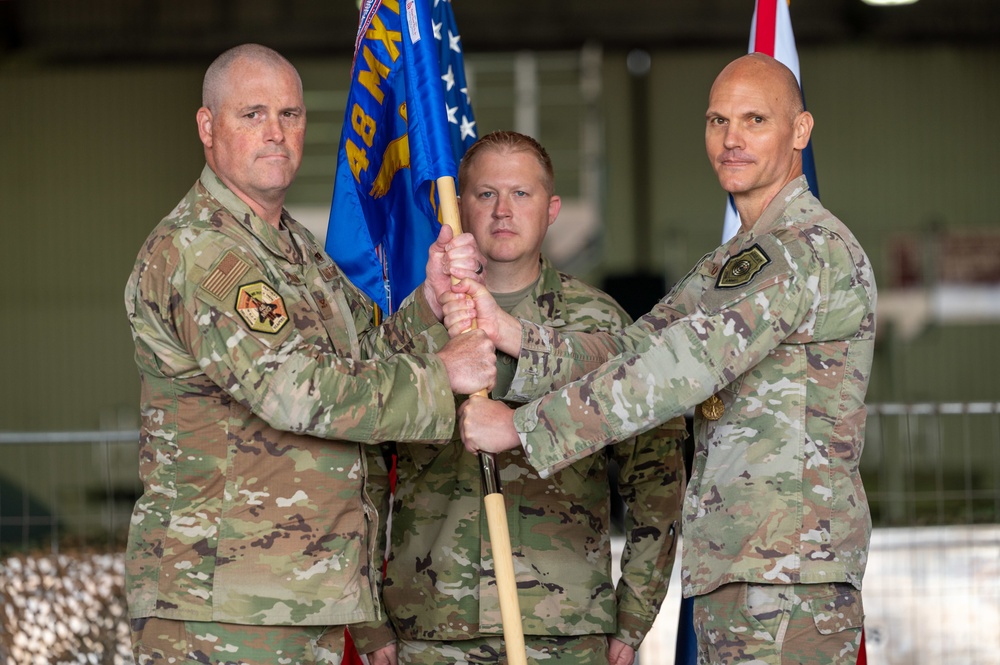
[[440, 588], [254, 538], [770, 337]]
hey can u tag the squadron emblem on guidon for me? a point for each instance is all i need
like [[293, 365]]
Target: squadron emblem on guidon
[[261, 307]]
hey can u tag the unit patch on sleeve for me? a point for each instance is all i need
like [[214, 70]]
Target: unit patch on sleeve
[[742, 268], [261, 308], [226, 275]]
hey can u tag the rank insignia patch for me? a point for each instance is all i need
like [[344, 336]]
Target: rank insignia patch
[[261, 307], [742, 268]]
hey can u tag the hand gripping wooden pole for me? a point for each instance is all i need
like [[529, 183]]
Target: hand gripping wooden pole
[[496, 512]]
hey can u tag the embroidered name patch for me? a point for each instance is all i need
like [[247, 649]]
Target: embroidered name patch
[[261, 307], [742, 268], [226, 275]]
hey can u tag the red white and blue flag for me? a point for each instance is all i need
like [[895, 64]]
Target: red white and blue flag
[[408, 121], [771, 34]]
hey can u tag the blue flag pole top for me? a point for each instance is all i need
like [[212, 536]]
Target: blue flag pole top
[[407, 122]]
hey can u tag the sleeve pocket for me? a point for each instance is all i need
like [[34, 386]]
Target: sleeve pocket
[[747, 272]]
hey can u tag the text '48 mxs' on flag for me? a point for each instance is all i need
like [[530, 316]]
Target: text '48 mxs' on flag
[[408, 122]]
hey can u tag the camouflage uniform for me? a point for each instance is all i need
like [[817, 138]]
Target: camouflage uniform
[[779, 326], [440, 580], [258, 391], [167, 642]]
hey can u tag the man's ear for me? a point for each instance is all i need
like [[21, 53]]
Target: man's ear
[[555, 204], [803, 130], [204, 120]]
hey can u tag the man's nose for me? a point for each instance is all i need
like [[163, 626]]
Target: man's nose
[[273, 131], [502, 208], [733, 137]]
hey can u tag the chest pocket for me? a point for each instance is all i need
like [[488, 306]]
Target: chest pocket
[[685, 297], [326, 286]]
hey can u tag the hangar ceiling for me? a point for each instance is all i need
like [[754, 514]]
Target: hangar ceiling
[[89, 30]]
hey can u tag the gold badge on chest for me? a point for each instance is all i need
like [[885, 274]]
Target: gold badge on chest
[[713, 408]]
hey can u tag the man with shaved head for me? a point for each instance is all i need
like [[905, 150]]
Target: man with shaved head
[[256, 538], [769, 339]]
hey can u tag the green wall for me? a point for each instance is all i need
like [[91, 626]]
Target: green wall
[[95, 156], [92, 159], [899, 149]]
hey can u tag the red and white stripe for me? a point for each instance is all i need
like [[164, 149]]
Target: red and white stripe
[[770, 33]]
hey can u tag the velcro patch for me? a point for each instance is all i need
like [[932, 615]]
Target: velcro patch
[[260, 306], [742, 268], [226, 275]]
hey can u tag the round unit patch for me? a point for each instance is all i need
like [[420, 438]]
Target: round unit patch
[[713, 408], [261, 307]]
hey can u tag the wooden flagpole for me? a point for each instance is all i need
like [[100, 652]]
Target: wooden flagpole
[[496, 512]]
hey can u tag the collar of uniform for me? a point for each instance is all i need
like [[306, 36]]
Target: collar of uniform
[[546, 299], [775, 210], [276, 242]]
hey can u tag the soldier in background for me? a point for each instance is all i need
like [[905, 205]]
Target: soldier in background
[[440, 586], [771, 338], [261, 384]]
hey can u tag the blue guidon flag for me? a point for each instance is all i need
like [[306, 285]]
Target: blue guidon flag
[[408, 121]]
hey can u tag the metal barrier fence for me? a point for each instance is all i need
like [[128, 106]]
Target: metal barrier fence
[[931, 471], [67, 488], [936, 464], [932, 587]]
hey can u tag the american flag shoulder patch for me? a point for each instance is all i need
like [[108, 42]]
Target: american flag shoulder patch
[[226, 275]]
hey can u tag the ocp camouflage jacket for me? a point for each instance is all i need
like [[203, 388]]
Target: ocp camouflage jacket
[[779, 324], [441, 581], [259, 390]]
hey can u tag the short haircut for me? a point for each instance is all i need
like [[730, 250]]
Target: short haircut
[[215, 75], [506, 141]]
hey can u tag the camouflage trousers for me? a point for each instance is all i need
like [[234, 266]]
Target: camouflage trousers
[[779, 624], [158, 641], [540, 650]]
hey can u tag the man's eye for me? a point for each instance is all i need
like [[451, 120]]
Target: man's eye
[[486, 195], [252, 115], [757, 119]]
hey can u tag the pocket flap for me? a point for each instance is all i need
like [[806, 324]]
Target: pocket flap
[[840, 611]]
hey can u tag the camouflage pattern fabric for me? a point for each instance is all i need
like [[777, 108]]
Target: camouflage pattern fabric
[[166, 642], [771, 624], [259, 389], [538, 650], [440, 580], [779, 326]]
